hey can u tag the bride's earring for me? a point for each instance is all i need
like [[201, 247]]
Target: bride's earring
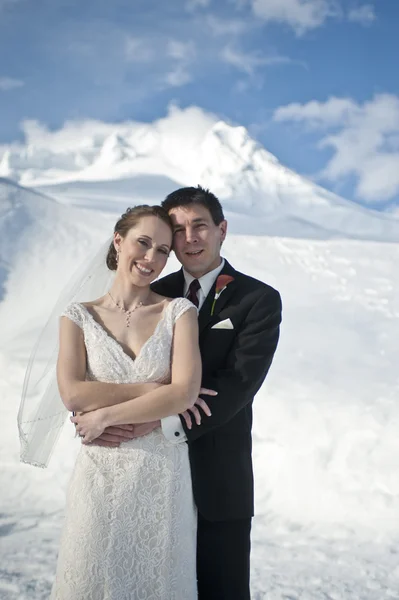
[[117, 257]]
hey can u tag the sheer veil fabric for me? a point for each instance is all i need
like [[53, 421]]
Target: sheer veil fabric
[[42, 414]]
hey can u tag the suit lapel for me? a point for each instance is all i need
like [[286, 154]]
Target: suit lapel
[[205, 317], [171, 285]]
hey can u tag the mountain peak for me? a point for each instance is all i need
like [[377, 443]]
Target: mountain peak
[[223, 157], [115, 150]]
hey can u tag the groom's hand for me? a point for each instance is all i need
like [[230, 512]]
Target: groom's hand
[[113, 436], [145, 428], [194, 410]]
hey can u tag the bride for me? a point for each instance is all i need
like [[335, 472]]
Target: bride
[[130, 525]]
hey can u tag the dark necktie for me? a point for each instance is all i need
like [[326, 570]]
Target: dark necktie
[[192, 292]]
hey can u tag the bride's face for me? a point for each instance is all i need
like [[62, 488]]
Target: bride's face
[[144, 250]]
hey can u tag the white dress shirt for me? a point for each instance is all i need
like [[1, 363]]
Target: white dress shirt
[[171, 426]]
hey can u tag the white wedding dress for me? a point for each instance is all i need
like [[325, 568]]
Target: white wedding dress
[[130, 526]]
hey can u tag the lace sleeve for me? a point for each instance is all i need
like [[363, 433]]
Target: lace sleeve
[[74, 314], [180, 306]]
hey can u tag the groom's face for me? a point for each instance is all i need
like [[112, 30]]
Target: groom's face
[[197, 240]]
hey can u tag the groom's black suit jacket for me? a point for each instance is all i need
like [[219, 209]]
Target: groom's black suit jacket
[[235, 363]]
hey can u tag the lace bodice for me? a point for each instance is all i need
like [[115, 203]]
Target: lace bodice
[[106, 359]]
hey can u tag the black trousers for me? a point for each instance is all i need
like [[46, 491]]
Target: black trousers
[[223, 567]]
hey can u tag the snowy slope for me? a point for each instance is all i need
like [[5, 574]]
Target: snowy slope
[[41, 244], [326, 448]]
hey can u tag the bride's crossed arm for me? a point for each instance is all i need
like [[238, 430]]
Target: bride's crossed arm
[[80, 395], [176, 397]]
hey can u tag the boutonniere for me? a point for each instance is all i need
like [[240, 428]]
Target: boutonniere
[[221, 284]]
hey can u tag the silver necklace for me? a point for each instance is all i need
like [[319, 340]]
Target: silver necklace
[[128, 313]]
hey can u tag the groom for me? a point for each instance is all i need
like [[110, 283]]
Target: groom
[[238, 334], [238, 337]]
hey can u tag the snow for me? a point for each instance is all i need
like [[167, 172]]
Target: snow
[[187, 147], [326, 449]]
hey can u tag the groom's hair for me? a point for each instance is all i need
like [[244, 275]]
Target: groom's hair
[[195, 195]]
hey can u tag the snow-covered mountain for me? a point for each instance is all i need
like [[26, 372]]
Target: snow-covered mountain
[[249, 180], [42, 242], [326, 448]]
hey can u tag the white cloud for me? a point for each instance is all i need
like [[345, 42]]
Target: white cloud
[[380, 181], [249, 62], [177, 77], [112, 57], [301, 15], [180, 133], [194, 4], [363, 137], [176, 56], [304, 15], [73, 134], [229, 27], [317, 114], [183, 51], [138, 50], [364, 15], [182, 55], [8, 83]]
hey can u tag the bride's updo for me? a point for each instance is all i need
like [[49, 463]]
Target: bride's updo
[[130, 219]]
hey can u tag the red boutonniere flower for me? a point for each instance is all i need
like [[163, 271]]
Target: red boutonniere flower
[[221, 284]]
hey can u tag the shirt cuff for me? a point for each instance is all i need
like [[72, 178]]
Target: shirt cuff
[[173, 429]]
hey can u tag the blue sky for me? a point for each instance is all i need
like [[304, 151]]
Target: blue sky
[[315, 81]]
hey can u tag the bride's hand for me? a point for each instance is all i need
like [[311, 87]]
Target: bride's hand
[[90, 426]]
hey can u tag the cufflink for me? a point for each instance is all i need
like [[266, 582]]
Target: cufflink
[[177, 433]]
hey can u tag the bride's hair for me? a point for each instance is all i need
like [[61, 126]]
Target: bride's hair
[[130, 219]]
